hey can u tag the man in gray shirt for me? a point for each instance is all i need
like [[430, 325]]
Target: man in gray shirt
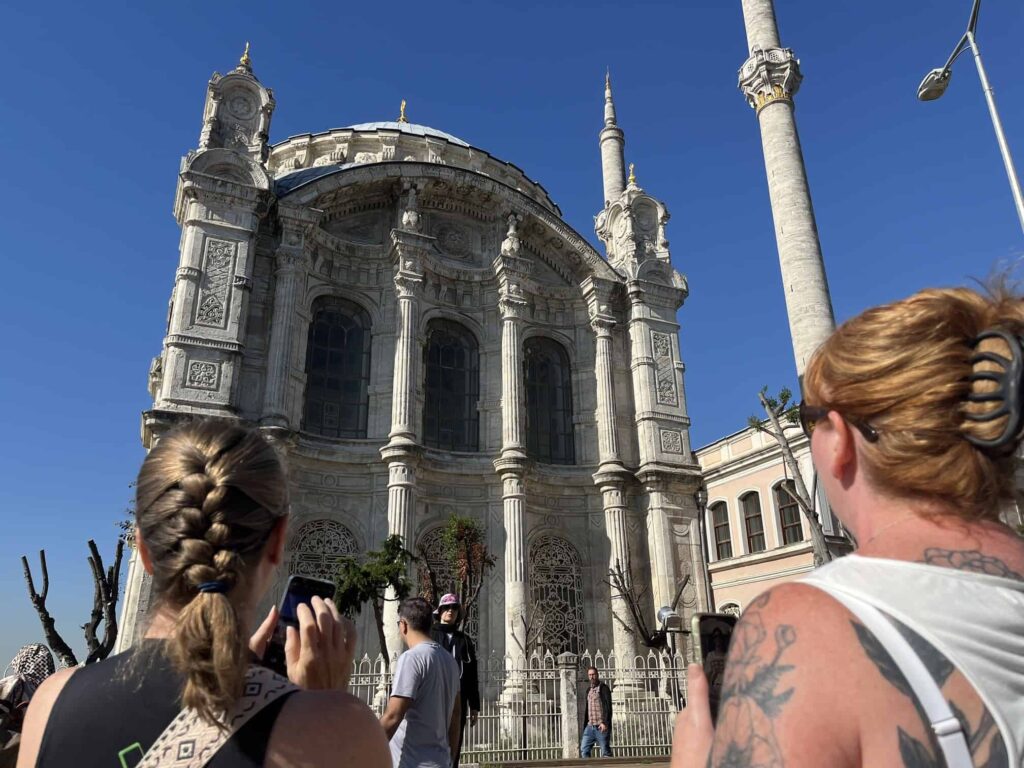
[[423, 714]]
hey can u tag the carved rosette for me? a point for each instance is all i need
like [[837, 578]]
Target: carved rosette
[[770, 75]]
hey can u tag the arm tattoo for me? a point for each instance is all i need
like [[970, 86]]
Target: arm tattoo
[[751, 695], [969, 560], [914, 752]]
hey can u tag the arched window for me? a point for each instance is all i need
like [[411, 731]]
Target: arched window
[[753, 522], [789, 512], [337, 370], [451, 420], [317, 548], [720, 527], [556, 589], [549, 432]]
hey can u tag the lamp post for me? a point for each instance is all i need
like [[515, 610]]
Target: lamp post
[[700, 497], [672, 625], [936, 82]]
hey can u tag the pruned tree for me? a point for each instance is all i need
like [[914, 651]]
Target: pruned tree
[[106, 592], [367, 579], [532, 621], [780, 408], [624, 588], [465, 553]]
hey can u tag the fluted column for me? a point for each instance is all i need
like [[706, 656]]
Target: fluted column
[[769, 79], [402, 451], [607, 416], [664, 573], [286, 278]]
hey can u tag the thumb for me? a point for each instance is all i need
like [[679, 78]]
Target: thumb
[[697, 701], [261, 637]]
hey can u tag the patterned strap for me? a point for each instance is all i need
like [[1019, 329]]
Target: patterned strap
[[191, 742]]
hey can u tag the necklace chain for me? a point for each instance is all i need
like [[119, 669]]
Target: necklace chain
[[887, 526]]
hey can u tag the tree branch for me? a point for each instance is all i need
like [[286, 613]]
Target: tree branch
[[53, 639]]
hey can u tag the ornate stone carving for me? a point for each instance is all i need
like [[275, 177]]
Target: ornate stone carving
[[511, 245], [671, 441], [213, 289], [318, 547], [770, 74], [411, 214], [202, 375], [664, 368], [557, 594]]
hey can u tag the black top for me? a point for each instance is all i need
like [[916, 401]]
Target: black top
[[606, 705], [459, 645], [108, 714]]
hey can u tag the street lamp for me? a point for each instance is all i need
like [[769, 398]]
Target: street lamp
[[672, 625], [700, 498], [936, 82]]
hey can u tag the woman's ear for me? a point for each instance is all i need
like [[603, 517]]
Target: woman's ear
[[275, 544], [841, 449], [140, 544]]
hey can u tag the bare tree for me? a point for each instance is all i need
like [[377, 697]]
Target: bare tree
[[778, 408], [533, 620], [623, 587], [106, 591]]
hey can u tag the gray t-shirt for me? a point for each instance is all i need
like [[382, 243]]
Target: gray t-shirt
[[430, 677]]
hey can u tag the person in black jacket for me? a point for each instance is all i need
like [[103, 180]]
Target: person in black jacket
[[446, 632], [596, 716]]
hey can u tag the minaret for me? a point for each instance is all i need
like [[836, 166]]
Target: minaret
[[613, 144], [769, 79]]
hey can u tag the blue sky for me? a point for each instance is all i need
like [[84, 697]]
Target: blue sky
[[100, 101]]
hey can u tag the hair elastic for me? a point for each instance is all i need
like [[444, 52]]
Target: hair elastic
[[1009, 389], [215, 587]]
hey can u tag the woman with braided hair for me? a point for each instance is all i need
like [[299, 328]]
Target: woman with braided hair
[[211, 511], [909, 652]]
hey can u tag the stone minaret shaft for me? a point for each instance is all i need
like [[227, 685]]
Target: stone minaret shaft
[[769, 79], [613, 143]]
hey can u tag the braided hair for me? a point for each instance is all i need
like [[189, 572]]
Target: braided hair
[[207, 497]]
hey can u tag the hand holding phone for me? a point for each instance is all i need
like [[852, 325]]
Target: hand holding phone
[[711, 633]]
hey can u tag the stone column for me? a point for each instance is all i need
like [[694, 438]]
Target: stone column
[[511, 467], [278, 354], [568, 700], [664, 573], [769, 79], [402, 451]]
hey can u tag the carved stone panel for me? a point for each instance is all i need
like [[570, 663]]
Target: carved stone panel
[[214, 287], [364, 228], [318, 547], [556, 586], [664, 368], [671, 441], [202, 374]]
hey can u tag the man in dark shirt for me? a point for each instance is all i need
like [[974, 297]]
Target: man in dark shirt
[[446, 632], [597, 716]]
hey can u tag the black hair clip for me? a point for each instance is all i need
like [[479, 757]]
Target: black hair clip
[[1009, 389]]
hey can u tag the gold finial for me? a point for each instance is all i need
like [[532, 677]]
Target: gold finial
[[245, 62], [401, 113], [632, 175]]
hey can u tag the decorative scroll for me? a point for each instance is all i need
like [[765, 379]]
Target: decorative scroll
[[664, 368], [213, 289], [202, 375], [556, 582], [318, 547]]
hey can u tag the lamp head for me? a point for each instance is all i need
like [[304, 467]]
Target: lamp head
[[701, 497], [670, 620], [934, 84]]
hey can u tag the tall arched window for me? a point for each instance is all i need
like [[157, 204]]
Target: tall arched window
[[720, 527], [556, 589], [337, 370], [451, 420], [549, 432], [317, 548], [789, 512], [753, 522]]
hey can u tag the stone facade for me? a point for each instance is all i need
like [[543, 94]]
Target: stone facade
[[409, 226]]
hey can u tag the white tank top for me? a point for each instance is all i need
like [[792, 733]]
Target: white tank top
[[975, 620]]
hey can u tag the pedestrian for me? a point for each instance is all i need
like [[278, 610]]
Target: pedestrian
[[424, 711], [26, 672], [910, 651], [212, 511], [597, 716], [446, 632]]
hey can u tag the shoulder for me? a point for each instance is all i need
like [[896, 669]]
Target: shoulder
[[39, 713], [299, 737]]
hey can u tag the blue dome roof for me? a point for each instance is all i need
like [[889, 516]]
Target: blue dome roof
[[410, 128]]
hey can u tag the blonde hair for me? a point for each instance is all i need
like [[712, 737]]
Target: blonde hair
[[207, 497], [903, 368]]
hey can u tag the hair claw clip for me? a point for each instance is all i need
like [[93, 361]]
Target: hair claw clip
[[1009, 388]]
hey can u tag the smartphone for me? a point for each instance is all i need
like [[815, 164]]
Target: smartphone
[[711, 633], [299, 590]]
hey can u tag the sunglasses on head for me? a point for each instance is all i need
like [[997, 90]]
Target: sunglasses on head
[[810, 415]]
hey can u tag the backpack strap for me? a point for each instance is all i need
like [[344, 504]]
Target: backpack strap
[[191, 742], [947, 728]]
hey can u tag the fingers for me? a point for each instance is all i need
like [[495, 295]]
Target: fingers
[[697, 698], [324, 622], [694, 733], [260, 638]]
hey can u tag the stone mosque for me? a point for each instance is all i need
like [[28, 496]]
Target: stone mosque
[[419, 331]]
